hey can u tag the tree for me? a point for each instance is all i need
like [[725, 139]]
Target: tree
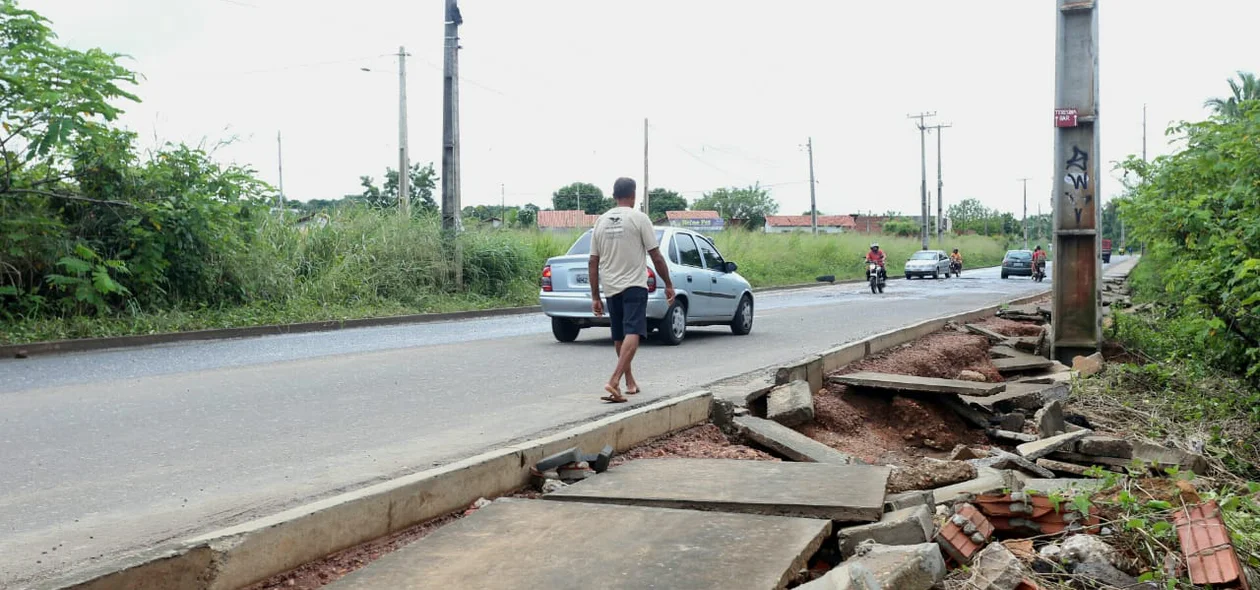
[[591, 198], [967, 214], [50, 97], [663, 201], [751, 204], [528, 216], [1247, 88], [420, 191]]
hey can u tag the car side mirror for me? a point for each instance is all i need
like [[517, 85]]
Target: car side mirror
[[730, 267]]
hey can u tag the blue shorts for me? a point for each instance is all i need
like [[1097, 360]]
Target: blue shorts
[[627, 312]]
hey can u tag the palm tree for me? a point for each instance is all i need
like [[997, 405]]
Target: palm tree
[[1245, 88]]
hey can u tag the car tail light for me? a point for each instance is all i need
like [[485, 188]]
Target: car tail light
[[651, 281], [546, 278]]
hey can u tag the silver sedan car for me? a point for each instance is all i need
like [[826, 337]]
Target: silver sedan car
[[708, 290], [928, 263]]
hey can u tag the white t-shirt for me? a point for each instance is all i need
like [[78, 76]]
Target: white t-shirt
[[622, 239]]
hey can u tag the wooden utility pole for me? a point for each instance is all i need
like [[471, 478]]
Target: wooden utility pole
[[923, 160], [404, 160], [1076, 321], [451, 224], [813, 201]]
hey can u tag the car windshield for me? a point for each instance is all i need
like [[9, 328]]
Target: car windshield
[[1019, 255], [583, 244], [925, 255]]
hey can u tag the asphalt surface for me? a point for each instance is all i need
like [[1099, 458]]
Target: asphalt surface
[[106, 453]]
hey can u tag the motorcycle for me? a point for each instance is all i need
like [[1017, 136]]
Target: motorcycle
[[876, 276], [1039, 271], [955, 267]]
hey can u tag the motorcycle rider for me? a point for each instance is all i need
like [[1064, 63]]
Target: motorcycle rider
[[1039, 259], [877, 256], [956, 258]]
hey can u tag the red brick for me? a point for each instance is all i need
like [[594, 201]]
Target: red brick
[[956, 543], [1210, 555]]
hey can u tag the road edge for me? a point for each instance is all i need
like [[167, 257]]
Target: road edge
[[49, 347]]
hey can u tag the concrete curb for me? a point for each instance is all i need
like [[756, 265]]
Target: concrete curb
[[235, 557], [139, 340]]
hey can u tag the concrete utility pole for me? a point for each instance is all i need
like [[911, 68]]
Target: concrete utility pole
[[647, 198], [923, 185], [280, 169], [1076, 322], [502, 205], [404, 160], [451, 224], [450, 123], [1025, 181], [813, 202], [940, 188]]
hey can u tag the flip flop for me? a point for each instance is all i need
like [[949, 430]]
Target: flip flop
[[614, 400], [635, 392]]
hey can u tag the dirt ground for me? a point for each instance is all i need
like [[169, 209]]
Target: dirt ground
[[1011, 327], [699, 442], [900, 430]]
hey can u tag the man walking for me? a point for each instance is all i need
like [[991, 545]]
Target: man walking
[[621, 242]]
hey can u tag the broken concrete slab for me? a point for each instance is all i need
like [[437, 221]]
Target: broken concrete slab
[[1061, 485], [1063, 467], [1104, 575], [1022, 363], [846, 576], [788, 443], [550, 548], [791, 404], [1112, 463], [844, 493], [993, 337], [929, 474], [1164, 456], [987, 479], [1020, 437], [1088, 365], [908, 526], [1013, 421], [1020, 395], [910, 499], [1045, 446], [904, 567], [965, 453], [1004, 352], [1050, 421], [890, 382], [969, 414], [1105, 446], [999, 459]]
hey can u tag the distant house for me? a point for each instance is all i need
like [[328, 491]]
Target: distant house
[[870, 224], [701, 221], [560, 221], [831, 224]]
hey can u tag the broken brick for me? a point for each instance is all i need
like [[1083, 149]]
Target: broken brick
[[1210, 555], [964, 533]]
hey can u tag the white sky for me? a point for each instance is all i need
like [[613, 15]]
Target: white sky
[[556, 91]]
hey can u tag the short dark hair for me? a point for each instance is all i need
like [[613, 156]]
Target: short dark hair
[[623, 188]]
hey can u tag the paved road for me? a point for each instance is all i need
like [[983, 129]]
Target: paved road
[[105, 453]]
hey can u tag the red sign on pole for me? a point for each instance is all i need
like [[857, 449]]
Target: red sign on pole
[[1065, 117]]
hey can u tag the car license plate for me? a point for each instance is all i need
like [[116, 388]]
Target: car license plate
[[582, 279]]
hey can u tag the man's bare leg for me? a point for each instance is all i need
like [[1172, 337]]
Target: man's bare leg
[[625, 356], [632, 386]]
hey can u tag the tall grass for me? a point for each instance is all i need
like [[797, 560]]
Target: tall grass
[[769, 260]]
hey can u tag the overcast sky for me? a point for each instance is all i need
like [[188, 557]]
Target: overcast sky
[[556, 91]]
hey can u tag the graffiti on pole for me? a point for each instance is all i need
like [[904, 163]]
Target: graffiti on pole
[[1077, 175]]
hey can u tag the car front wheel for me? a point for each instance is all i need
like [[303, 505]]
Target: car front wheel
[[565, 330], [742, 324], [674, 325]]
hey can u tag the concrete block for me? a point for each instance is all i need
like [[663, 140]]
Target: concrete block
[[999, 459], [894, 502], [996, 568], [1011, 436], [1105, 446], [987, 480], [846, 576], [1013, 421], [1062, 467], [791, 404], [809, 370], [906, 567], [891, 382], [788, 443], [1038, 449], [1023, 396], [908, 526], [1050, 420], [1165, 456]]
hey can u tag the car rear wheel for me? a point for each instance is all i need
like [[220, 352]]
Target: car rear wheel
[[742, 324], [674, 325], [1004, 275], [565, 330]]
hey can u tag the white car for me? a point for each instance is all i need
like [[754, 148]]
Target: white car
[[928, 263], [708, 290]]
